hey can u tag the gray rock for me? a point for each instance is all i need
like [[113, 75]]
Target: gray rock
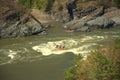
[[83, 29], [76, 23], [101, 22], [99, 11], [81, 12], [35, 29], [13, 31], [111, 14], [80, 22], [20, 30], [116, 20], [111, 9], [43, 33], [18, 23], [47, 26]]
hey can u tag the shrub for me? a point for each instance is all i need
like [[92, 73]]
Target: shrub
[[49, 4], [117, 2], [101, 64], [27, 3], [101, 2], [40, 4], [60, 7], [71, 73]]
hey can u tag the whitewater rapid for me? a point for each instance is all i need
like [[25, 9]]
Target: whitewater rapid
[[76, 46], [37, 49]]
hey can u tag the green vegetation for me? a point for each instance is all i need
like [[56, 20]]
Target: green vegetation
[[49, 4], [117, 2], [40, 4], [109, 2], [27, 3], [71, 74], [101, 64], [101, 2], [60, 6]]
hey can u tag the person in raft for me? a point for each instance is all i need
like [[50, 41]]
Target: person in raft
[[60, 47]]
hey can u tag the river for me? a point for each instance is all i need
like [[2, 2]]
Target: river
[[35, 57]]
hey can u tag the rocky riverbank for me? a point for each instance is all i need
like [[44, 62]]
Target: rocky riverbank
[[85, 15], [99, 19], [18, 21]]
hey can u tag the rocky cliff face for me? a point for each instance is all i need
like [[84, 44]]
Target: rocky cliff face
[[67, 10], [17, 21], [88, 15], [82, 15]]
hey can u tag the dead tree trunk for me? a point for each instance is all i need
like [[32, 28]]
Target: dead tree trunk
[[36, 20]]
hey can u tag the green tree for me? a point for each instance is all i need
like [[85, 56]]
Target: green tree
[[101, 64], [71, 73], [27, 3], [117, 2]]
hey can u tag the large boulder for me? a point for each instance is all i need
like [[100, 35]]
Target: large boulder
[[77, 25], [111, 9], [13, 25], [17, 21], [101, 22], [80, 22], [20, 30], [78, 13], [112, 13], [116, 20], [35, 29], [98, 12], [83, 29]]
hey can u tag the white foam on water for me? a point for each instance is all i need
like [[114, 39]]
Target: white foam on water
[[12, 54], [100, 37], [7, 53], [71, 45], [49, 47], [88, 38]]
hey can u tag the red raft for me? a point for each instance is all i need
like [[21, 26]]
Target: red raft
[[59, 47]]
